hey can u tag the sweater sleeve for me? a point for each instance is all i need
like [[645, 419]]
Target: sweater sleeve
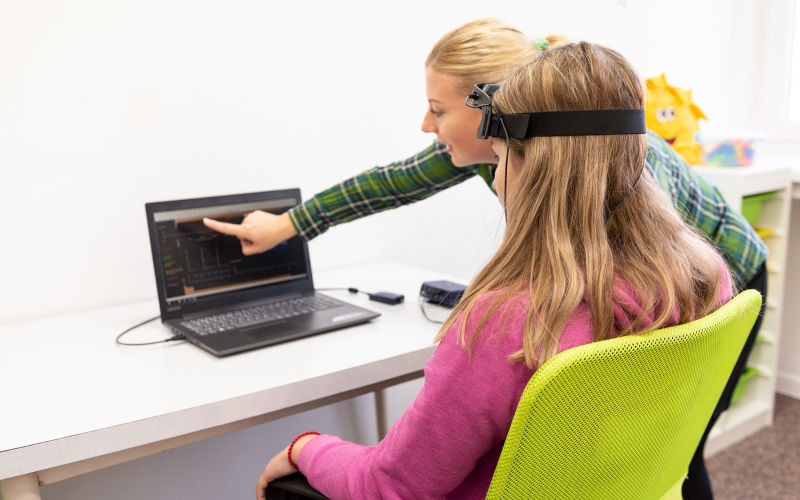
[[383, 188], [462, 413]]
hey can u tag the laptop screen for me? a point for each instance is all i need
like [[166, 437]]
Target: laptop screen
[[196, 265]]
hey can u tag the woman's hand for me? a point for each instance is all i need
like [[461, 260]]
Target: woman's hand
[[258, 232], [279, 466]]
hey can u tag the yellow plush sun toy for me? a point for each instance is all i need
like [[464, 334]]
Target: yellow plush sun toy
[[672, 115]]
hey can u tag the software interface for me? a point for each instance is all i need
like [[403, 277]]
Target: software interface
[[197, 261]]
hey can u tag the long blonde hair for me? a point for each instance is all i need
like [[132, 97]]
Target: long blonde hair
[[565, 241], [484, 51]]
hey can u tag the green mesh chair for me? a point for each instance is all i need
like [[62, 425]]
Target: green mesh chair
[[622, 418], [614, 419]]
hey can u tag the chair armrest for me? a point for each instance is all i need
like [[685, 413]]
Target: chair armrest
[[293, 487]]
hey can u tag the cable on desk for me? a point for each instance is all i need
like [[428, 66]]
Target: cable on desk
[[349, 289], [421, 301], [171, 339]]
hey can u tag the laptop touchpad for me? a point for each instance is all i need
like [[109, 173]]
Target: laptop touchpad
[[259, 332]]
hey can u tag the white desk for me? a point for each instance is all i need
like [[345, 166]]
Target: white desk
[[74, 401]]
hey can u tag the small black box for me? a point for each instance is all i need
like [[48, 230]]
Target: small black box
[[442, 292], [387, 297]]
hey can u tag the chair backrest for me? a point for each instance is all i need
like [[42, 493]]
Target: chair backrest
[[622, 418]]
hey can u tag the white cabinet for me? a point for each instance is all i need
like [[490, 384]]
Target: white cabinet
[[754, 409]]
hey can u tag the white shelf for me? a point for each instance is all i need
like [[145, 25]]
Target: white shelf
[[737, 182], [766, 336], [736, 424], [763, 370], [755, 408]]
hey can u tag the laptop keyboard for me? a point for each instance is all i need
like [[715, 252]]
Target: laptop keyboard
[[259, 314]]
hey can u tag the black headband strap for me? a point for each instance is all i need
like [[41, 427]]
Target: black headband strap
[[567, 123], [551, 123]]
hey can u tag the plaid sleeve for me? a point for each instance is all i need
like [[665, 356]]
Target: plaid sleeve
[[702, 206], [383, 188]]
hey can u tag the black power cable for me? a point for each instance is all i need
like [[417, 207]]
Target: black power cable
[[171, 339]]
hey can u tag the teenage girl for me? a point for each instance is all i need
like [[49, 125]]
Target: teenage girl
[[580, 261]]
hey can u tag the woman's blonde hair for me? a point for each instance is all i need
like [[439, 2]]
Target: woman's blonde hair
[[578, 220], [484, 51]]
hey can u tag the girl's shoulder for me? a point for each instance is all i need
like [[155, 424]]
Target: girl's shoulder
[[504, 317], [500, 304], [493, 315]]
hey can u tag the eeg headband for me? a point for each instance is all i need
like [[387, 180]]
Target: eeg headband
[[550, 123]]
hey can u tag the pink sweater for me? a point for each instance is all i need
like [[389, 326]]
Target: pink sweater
[[448, 442]]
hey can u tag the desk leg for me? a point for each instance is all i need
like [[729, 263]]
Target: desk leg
[[380, 413], [24, 487]]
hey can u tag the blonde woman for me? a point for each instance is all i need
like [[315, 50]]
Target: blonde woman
[[593, 249], [484, 51]]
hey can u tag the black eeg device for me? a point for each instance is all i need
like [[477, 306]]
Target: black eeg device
[[443, 292], [550, 123]]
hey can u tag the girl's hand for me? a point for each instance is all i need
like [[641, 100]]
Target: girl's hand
[[279, 466]]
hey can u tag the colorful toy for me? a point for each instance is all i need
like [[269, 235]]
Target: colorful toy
[[671, 114], [729, 152]]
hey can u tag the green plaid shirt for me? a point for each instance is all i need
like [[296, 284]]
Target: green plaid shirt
[[381, 188]]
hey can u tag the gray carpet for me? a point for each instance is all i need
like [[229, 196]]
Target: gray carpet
[[765, 465]]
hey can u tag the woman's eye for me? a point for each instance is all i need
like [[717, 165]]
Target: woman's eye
[[436, 112]]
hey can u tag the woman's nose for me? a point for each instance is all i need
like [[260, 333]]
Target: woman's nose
[[427, 123]]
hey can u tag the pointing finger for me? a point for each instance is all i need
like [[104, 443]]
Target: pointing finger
[[222, 227]]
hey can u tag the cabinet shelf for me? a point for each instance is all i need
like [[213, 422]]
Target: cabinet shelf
[[763, 370], [774, 233], [766, 336], [737, 422]]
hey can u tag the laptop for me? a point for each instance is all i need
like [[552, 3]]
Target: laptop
[[226, 302]]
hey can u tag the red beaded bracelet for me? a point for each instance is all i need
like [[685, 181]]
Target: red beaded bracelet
[[309, 433]]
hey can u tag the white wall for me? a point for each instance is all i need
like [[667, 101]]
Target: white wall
[[105, 105], [788, 381]]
